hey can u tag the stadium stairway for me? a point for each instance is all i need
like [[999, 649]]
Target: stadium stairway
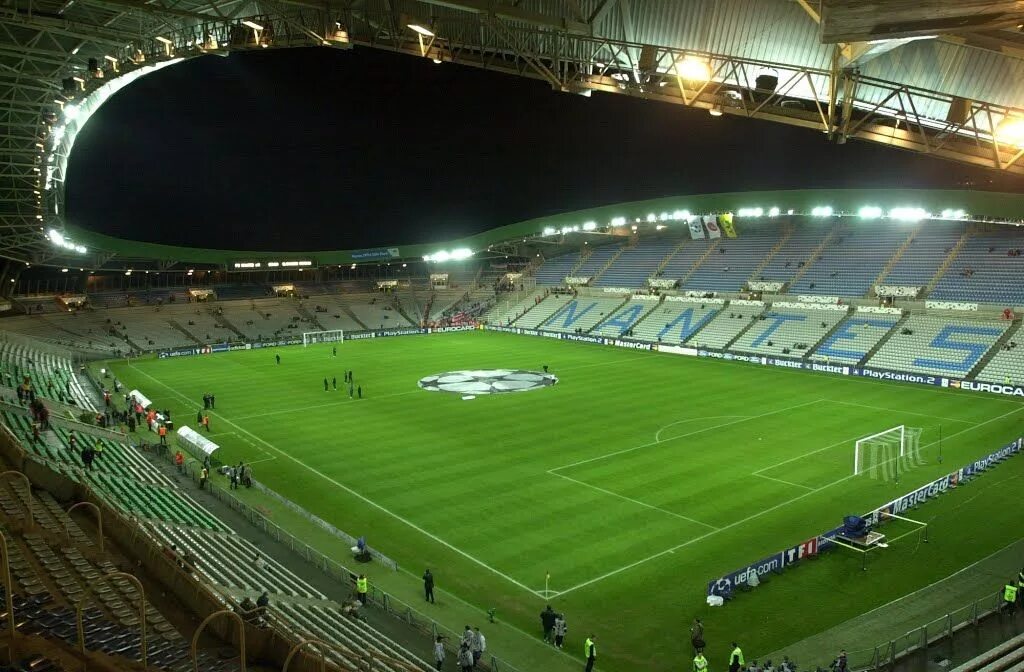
[[884, 339], [1004, 339], [185, 332], [787, 233], [893, 260], [582, 313], [675, 322], [812, 257], [938, 346], [853, 338], [947, 262], [1006, 362], [1006, 657], [540, 312], [223, 321], [627, 316], [726, 326]]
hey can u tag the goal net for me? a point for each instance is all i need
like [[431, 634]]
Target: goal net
[[885, 454], [330, 336]]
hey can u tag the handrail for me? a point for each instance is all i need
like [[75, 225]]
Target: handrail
[[8, 595], [99, 518], [28, 486], [202, 626], [142, 610]]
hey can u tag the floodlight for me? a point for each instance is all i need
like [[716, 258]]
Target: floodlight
[[439, 256], [549, 231], [575, 228], [589, 226], [953, 214], [749, 212], [693, 69], [870, 212], [652, 217], [461, 253], [822, 211], [566, 229], [663, 216], [633, 227], [437, 61], [421, 29], [659, 227], [63, 270], [681, 215], [1011, 130], [80, 249], [717, 110], [618, 221], [908, 214], [56, 237], [773, 212]]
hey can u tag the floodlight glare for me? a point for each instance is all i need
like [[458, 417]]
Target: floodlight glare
[[773, 212], [908, 214], [663, 216], [589, 226], [566, 229], [822, 211], [953, 214], [549, 231], [869, 212], [693, 69], [681, 215], [652, 217], [421, 29], [618, 221], [1011, 131], [56, 237], [70, 111], [439, 256], [749, 212], [461, 253]]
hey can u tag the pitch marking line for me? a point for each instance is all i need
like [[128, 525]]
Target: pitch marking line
[[247, 441], [635, 501], [813, 452], [681, 436], [326, 405], [387, 396], [761, 513], [358, 496], [898, 410], [779, 480], [657, 435]]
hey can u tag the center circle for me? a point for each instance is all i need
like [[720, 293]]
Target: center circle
[[487, 381]]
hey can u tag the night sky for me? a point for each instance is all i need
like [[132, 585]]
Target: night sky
[[322, 149]]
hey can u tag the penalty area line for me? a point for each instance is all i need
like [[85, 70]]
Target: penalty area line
[[634, 501], [360, 497], [757, 515]]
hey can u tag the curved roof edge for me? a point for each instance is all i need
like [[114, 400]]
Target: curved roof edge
[[979, 205]]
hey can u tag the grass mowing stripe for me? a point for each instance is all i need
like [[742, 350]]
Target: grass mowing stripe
[[355, 494], [779, 480], [634, 501], [898, 410], [681, 436], [763, 512]]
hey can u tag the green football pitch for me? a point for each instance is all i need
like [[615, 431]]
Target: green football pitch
[[632, 482]]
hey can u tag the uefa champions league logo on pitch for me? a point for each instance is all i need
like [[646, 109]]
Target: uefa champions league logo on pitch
[[487, 381]]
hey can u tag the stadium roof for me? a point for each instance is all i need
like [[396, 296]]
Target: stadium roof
[[940, 77], [109, 252]]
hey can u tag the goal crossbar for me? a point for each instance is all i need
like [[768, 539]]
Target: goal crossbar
[[890, 434], [327, 336]]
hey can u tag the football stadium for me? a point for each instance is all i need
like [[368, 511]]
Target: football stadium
[[757, 430]]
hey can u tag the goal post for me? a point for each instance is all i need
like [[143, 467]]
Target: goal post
[[329, 336], [883, 454]]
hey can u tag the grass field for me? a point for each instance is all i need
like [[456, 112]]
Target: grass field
[[634, 481]]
